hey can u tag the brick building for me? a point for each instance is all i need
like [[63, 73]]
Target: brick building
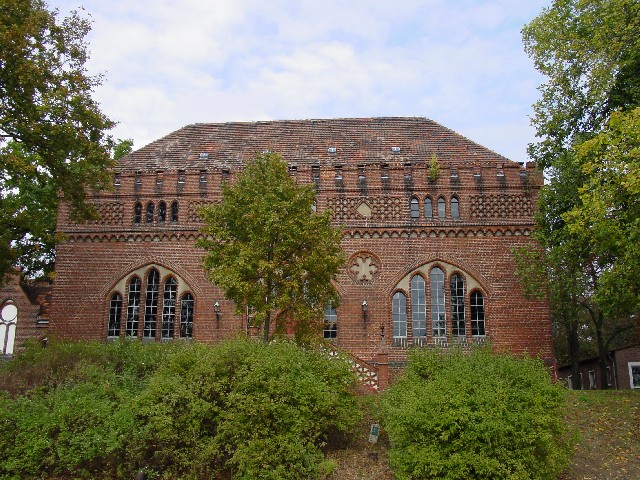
[[429, 218], [623, 370], [24, 309]]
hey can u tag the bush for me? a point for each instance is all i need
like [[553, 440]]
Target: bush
[[258, 411], [462, 415], [241, 409]]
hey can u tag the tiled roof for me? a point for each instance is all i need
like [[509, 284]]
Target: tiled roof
[[356, 141]]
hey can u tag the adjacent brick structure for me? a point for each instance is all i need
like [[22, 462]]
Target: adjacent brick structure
[[27, 317], [621, 364], [377, 175]]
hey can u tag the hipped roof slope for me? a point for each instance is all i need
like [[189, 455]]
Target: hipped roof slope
[[306, 142]]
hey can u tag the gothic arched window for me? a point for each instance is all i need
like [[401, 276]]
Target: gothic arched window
[[174, 212], [457, 306], [186, 316], [418, 307], [169, 307], [428, 208], [150, 209], [330, 330], [442, 208], [137, 213], [133, 307], [162, 212], [115, 315], [151, 304], [477, 315], [438, 307], [399, 311], [415, 208], [455, 208]]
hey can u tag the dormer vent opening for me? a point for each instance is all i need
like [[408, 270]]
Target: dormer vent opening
[[332, 150], [204, 155], [395, 149]]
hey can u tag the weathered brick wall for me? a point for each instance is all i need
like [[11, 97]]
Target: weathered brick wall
[[369, 194], [623, 357], [30, 324]]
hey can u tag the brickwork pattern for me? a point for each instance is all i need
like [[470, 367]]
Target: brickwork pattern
[[382, 241]]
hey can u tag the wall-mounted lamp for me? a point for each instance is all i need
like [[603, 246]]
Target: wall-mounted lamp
[[364, 307], [216, 310]]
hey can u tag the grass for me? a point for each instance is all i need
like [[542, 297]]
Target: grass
[[606, 423], [608, 427]]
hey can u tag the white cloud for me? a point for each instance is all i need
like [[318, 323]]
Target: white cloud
[[168, 64]]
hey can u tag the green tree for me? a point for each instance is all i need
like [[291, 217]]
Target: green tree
[[268, 249], [590, 52], [122, 148], [52, 140]]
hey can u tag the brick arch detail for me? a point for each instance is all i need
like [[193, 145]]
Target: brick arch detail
[[439, 258], [150, 262]]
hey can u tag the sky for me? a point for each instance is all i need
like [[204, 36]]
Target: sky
[[170, 63]]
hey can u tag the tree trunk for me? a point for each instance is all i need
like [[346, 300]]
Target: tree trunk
[[602, 354], [574, 353], [267, 326]]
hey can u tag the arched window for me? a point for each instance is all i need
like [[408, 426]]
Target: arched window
[[428, 208], [418, 307], [186, 316], [399, 310], [169, 307], [162, 212], [457, 306], [438, 311], [151, 304], [137, 213], [455, 209], [330, 330], [442, 208], [174, 212], [8, 325], [149, 217], [477, 315], [415, 208], [115, 315], [133, 307]]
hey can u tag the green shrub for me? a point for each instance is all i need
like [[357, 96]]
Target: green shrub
[[241, 409], [475, 415], [70, 412], [255, 410]]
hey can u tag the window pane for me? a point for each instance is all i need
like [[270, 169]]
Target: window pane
[[438, 315], [442, 213], [151, 304], [330, 322], [399, 309], [149, 218], [418, 307], [174, 212], [415, 208], [162, 212], [169, 307], [133, 308], [457, 306], [115, 315], [428, 208], [186, 316], [477, 315], [455, 211], [137, 213]]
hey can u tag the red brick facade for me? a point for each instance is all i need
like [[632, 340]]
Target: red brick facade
[[30, 302], [368, 172]]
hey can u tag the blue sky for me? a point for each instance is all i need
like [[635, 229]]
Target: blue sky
[[168, 63]]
